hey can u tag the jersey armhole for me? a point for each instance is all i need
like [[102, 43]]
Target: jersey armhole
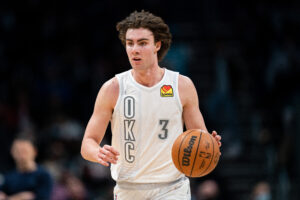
[[120, 93], [177, 96]]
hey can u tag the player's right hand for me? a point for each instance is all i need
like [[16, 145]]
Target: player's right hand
[[107, 154]]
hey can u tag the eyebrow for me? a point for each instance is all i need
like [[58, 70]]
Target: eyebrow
[[138, 39]]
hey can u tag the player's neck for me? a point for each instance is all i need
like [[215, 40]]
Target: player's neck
[[27, 166], [148, 77]]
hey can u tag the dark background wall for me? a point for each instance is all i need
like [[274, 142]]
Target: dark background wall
[[243, 58]]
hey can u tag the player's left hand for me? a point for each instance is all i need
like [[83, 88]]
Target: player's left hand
[[217, 138]]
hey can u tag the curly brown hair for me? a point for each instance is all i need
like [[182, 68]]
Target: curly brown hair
[[148, 21]]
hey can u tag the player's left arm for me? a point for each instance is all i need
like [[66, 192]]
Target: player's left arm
[[192, 116]]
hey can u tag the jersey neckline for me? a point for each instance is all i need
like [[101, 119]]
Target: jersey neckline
[[145, 87]]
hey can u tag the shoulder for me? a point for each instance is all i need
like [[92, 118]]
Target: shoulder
[[185, 82], [111, 86], [8, 177], [10, 174], [109, 93], [43, 173], [42, 170], [186, 89]]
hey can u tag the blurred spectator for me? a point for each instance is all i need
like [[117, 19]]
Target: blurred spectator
[[29, 180], [69, 188], [207, 190], [261, 191]]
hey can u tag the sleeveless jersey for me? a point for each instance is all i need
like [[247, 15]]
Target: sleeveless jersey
[[145, 123]]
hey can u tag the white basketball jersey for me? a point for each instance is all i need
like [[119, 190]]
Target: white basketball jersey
[[145, 123]]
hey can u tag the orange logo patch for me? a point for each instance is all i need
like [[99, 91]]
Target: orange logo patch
[[166, 91]]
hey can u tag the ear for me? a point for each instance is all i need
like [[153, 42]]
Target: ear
[[157, 46]]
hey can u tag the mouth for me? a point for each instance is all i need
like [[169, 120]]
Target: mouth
[[136, 59]]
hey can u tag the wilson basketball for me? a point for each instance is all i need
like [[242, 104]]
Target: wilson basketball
[[195, 153]]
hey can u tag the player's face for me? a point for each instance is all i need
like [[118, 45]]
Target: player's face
[[23, 151], [141, 48]]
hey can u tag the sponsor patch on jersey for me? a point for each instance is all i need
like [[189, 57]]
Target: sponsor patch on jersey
[[166, 91]]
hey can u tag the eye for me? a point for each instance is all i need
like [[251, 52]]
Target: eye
[[143, 43], [129, 43]]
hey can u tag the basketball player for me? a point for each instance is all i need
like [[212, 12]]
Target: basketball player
[[147, 106], [29, 180]]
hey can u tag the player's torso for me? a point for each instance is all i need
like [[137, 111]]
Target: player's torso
[[145, 123]]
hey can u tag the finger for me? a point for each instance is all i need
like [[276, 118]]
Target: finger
[[102, 162], [111, 149], [108, 159], [108, 154], [220, 144], [218, 137], [214, 133]]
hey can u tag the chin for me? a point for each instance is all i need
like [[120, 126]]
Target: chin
[[137, 67]]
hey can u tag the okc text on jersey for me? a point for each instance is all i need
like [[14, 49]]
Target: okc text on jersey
[[129, 113]]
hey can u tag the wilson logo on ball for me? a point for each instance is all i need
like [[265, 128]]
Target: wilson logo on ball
[[187, 152], [166, 91]]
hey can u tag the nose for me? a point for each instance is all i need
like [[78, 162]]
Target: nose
[[135, 49]]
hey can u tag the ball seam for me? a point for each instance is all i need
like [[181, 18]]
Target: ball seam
[[196, 153]]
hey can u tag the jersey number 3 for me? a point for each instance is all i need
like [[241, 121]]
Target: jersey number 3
[[164, 124]]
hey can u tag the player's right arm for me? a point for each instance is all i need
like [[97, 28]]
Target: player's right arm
[[95, 130]]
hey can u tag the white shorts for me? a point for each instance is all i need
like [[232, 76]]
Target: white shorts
[[177, 190]]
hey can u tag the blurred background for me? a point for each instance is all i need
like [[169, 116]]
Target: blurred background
[[243, 57]]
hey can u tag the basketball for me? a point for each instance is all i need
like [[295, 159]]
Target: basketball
[[195, 153]]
